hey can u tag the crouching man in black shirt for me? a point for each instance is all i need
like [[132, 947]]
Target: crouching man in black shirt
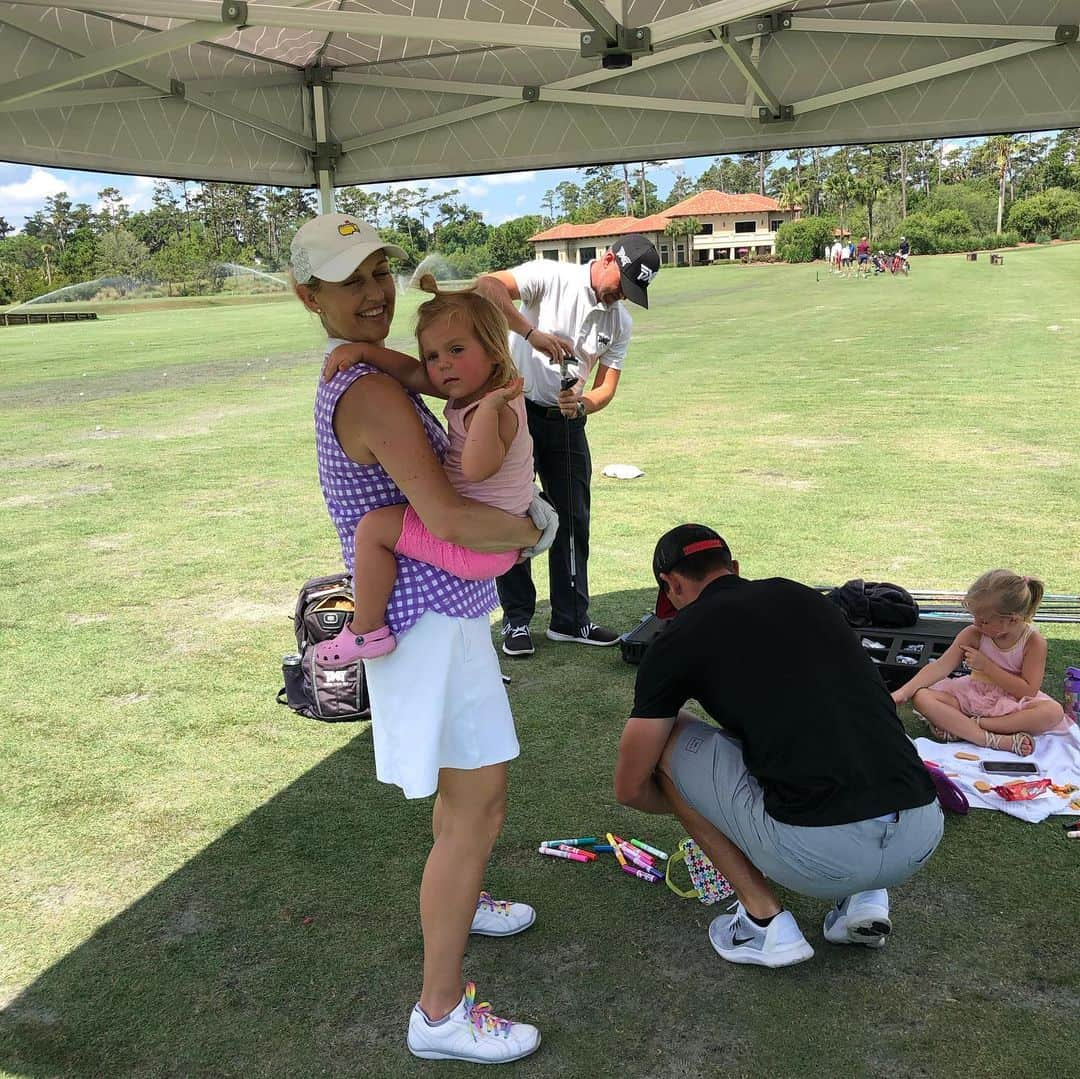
[[810, 780]]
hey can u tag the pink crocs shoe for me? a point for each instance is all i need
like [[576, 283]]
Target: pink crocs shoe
[[347, 647]]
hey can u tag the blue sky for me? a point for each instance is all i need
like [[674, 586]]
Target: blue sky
[[23, 188]]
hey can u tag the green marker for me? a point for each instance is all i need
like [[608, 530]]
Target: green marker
[[646, 848]]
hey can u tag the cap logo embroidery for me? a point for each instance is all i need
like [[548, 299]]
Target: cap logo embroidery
[[623, 257], [644, 274], [347, 229]]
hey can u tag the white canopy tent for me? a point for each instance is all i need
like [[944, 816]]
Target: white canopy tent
[[296, 93]]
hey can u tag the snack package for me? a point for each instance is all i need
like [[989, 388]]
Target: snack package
[[1022, 790], [707, 884]]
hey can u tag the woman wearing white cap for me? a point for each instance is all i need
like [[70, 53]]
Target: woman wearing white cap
[[440, 717]]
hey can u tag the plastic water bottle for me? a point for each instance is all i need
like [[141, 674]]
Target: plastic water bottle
[[1072, 693]]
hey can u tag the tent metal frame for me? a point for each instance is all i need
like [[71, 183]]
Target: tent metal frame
[[737, 28]]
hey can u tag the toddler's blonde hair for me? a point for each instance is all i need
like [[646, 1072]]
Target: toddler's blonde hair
[[480, 314], [1007, 592]]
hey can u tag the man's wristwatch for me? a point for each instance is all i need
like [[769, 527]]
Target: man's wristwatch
[[581, 410]]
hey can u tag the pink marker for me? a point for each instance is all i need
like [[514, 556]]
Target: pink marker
[[640, 874], [588, 854], [640, 853], [569, 855], [634, 855]]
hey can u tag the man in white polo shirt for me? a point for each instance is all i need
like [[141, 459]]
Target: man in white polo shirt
[[567, 311]]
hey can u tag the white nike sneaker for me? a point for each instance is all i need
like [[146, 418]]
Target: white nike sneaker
[[470, 1032], [500, 917], [738, 940], [862, 918]]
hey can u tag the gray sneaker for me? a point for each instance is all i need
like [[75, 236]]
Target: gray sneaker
[[738, 940], [517, 641], [862, 918]]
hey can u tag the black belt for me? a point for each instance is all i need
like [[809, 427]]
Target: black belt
[[548, 412]]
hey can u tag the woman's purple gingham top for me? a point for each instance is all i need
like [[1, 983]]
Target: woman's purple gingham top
[[351, 489]]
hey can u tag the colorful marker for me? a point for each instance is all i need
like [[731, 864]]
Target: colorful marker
[[633, 856], [586, 854], [648, 850], [641, 874], [618, 852], [585, 841], [637, 852], [603, 848], [572, 856]]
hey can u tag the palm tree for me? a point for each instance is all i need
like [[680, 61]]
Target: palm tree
[[1003, 148], [792, 195], [840, 187], [683, 226], [45, 249]]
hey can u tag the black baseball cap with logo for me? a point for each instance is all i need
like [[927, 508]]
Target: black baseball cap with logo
[[672, 547], [638, 265]]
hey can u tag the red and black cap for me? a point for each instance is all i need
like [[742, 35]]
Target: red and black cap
[[672, 547]]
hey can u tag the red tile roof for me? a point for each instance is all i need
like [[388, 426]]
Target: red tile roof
[[720, 202], [705, 202], [610, 226]]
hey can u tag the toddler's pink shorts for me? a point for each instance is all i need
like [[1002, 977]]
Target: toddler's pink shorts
[[417, 542]]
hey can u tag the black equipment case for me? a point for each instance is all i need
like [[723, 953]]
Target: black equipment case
[[897, 653]]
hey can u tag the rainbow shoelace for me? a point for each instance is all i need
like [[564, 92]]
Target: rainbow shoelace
[[480, 1018], [499, 906]]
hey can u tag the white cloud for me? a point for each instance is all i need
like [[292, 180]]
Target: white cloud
[[23, 197], [500, 179], [471, 187], [521, 200]]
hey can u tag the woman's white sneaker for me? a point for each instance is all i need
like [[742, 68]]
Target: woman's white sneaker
[[470, 1032], [738, 940], [862, 918], [500, 917]]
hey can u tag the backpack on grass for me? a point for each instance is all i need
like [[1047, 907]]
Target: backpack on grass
[[323, 607]]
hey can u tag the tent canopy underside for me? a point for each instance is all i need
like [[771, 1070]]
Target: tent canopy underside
[[296, 93]]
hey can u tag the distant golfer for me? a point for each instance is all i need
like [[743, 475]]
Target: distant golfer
[[568, 312], [809, 783]]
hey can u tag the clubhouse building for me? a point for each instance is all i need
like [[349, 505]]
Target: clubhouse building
[[729, 227]]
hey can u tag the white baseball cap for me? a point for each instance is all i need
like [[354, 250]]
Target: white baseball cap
[[331, 246]]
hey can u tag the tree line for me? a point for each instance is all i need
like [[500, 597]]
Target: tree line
[[944, 198]]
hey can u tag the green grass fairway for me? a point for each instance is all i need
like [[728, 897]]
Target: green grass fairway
[[194, 882]]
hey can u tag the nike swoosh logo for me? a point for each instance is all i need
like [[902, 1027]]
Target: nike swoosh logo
[[746, 940]]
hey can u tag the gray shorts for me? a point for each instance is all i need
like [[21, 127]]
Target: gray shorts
[[829, 862]]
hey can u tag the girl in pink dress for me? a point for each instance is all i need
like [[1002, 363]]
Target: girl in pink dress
[[465, 358], [999, 705]]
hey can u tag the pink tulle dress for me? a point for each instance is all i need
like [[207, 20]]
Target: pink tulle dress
[[979, 697]]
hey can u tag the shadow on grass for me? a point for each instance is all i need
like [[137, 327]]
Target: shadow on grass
[[290, 946]]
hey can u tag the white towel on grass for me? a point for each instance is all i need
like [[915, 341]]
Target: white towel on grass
[[1057, 756]]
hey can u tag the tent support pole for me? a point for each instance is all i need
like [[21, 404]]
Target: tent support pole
[[326, 152]]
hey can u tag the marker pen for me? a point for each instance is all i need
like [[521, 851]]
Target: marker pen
[[640, 874], [637, 852], [552, 852], [616, 848], [635, 858], [603, 848], [649, 850], [586, 854], [584, 841]]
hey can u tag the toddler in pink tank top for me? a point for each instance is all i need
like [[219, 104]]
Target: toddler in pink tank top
[[1000, 704], [466, 359]]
